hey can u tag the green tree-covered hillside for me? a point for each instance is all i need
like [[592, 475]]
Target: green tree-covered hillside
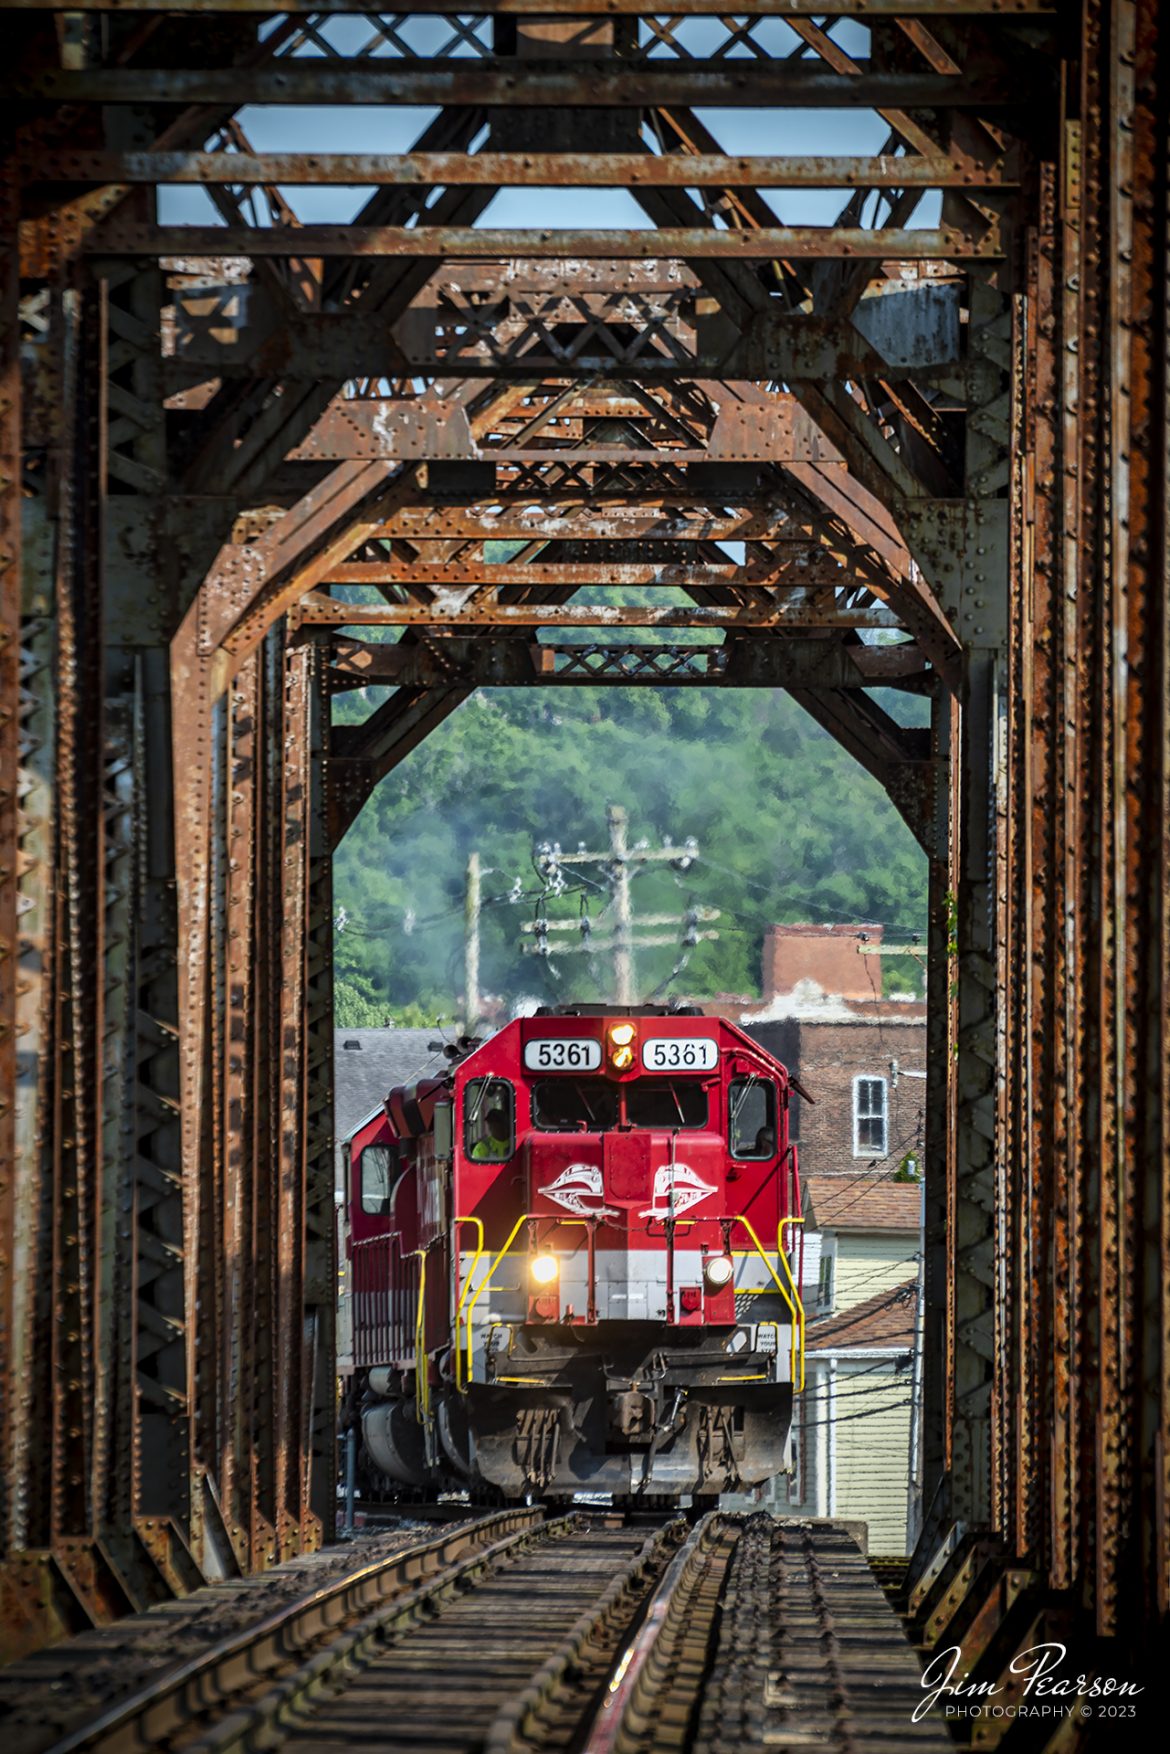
[[788, 826]]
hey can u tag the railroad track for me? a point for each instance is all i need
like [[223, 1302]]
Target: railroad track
[[513, 1635], [770, 1635], [144, 1681]]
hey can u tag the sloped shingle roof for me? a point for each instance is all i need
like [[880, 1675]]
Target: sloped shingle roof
[[363, 1074], [886, 1319], [853, 1202]]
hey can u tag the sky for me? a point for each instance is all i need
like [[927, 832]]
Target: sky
[[386, 129]]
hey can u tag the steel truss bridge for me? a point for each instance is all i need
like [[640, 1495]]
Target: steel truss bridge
[[943, 414]]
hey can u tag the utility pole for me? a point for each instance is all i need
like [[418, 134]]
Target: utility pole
[[628, 934], [914, 1507], [471, 907], [623, 948]]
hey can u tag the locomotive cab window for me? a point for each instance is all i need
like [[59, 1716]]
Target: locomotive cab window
[[666, 1102], [572, 1105], [489, 1120], [378, 1171], [751, 1109]]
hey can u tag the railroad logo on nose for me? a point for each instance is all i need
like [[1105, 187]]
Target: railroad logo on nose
[[579, 1189], [676, 1189]]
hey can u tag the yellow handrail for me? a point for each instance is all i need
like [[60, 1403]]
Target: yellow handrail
[[466, 1315], [482, 1287], [469, 1316], [781, 1254], [422, 1381], [783, 1222], [465, 1288], [792, 1299]]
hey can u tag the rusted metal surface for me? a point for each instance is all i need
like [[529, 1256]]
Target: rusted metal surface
[[765, 1634], [957, 430], [478, 662], [613, 170], [483, 607], [162, 1673], [566, 8], [122, 238], [597, 84], [11, 1394]]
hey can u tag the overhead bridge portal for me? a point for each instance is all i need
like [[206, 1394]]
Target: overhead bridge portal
[[939, 413]]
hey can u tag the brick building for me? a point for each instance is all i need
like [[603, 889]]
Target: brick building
[[860, 1054]]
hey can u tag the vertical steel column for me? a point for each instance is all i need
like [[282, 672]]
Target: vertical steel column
[[161, 1448], [974, 1197], [937, 1387], [11, 1270], [1145, 334], [239, 1104], [321, 1282]]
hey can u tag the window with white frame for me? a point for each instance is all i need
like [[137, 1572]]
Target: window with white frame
[[869, 1117]]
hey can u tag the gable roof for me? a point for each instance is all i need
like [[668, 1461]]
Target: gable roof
[[886, 1319], [368, 1062], [861, 1202]]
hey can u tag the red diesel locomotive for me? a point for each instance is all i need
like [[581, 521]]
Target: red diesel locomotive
[[574, 1264]]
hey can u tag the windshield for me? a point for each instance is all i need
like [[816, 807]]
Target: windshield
[[666, 1102], [488, 1120], [573, 1105], [752, 1104]]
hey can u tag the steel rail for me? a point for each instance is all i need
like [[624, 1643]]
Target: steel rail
[[527, 1719], [633, 1692], [221, 1671], [259, 1721]]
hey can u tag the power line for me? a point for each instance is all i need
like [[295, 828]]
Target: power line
[[896, 1384], [844, 1418], [621, 864], [898, 1295], [834, 916]]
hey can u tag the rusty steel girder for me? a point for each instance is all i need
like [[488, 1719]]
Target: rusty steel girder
[[956, 430]]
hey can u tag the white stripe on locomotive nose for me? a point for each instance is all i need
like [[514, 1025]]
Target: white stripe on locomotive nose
[[676, 1189], [579, 1189]]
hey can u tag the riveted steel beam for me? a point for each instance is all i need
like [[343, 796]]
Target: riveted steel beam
[[236, 333], [572, 8], [519, 170], [15, 1172], [824, 576], [122, 237], [482, 662], [597, 84]]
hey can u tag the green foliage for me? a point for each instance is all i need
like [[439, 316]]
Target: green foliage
[[789, 828]]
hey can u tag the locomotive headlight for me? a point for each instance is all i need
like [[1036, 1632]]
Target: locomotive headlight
[[544, 1269], [717, 1271], [621, 1046]]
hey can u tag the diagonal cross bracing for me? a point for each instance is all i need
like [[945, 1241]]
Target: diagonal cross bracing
[[934, 413]]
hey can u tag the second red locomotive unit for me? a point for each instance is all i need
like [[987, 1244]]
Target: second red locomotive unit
[[574, 1264]]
